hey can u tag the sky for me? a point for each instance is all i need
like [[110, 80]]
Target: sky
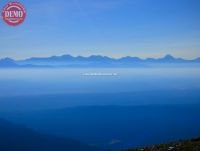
[[115, 28]]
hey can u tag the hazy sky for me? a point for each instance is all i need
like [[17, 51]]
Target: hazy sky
[[143, 28]]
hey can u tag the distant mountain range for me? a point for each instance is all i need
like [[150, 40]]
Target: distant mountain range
[[96, 61], [17, 138]]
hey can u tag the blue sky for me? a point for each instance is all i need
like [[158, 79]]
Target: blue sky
[[143, 28]]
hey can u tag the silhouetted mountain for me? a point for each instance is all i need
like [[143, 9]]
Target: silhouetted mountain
[[7, 62], [16, 138], [68, 58], [168, 59], [197, 60], [10, 63], [130, 59], [94, 61]]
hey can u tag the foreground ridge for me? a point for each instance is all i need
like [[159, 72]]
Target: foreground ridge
[[186, 145]]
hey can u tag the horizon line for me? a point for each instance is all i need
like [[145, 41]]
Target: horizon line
[[109, 56]]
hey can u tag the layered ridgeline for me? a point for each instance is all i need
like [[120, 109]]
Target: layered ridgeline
[[97, 61], [17, 138]]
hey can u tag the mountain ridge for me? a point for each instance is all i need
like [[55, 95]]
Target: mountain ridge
[[93, 61], [16, 137]]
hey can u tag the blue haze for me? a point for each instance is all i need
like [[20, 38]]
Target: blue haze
[[134, 107]]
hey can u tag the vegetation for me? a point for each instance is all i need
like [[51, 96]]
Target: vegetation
[[187, 145]]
